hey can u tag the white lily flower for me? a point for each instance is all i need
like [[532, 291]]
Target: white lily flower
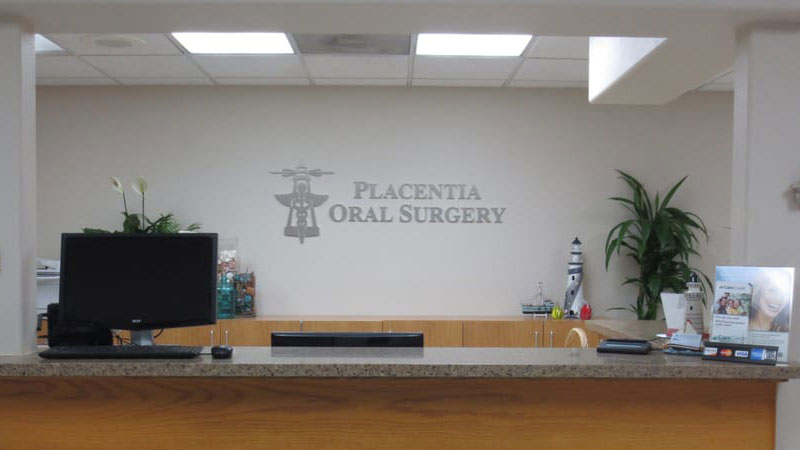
[[117, 184], [140, 186]]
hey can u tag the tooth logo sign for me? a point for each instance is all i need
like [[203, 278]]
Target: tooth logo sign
[[302, 221]]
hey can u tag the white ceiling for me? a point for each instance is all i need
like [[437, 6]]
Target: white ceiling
[[156, 59]]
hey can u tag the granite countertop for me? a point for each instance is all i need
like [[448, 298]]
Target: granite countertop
[[401, 363]]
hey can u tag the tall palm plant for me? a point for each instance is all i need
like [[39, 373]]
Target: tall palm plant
[[660, 238]]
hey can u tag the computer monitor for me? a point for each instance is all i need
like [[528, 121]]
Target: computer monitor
[[138, 282]]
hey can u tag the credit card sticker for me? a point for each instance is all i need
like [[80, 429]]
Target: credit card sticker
[[758, 354], [710, 351], [741, 353]]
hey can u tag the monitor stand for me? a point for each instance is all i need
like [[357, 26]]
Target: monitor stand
[[142, 337]]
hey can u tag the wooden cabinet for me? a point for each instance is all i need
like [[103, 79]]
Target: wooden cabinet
[[557, 331], [41, 335], [200, 335], [594, 338], [253, 332], [437, 333], [178, 336], [457, 332], [342, 325], [503, 333], [186, 336]]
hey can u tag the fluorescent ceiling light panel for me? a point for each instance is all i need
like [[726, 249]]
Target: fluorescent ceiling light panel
[[441, 44], [235, 43], [44, 45]]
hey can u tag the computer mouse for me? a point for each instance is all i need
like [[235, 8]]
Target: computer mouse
[[221, 351]]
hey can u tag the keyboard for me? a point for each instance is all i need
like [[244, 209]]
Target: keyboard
[[121, 352]]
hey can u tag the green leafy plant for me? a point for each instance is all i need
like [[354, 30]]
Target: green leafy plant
[[140, 223], [660, 238]]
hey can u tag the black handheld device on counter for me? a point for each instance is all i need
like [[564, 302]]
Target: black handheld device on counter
[[629, 346]]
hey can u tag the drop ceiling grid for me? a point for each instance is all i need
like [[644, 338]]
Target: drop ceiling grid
[[323, 67], [66, 52], [553, 61], [116, 81], [301, 58], [152, 43], [412, 51], [531, 44], [460, 68], [721, 82], [547, 61], [183, 51]]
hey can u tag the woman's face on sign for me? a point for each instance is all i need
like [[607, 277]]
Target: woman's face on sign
[[771, 299]]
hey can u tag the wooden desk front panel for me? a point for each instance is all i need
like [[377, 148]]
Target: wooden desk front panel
[[426, 414], [252, 332], [503, 333], [556, 333], [365, 326], [200, 335], [438, 333]]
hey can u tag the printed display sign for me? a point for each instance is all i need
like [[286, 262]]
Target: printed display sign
[[753, 305]]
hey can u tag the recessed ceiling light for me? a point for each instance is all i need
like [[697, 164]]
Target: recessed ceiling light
[[235, 43], [442, 44], [44, 45]]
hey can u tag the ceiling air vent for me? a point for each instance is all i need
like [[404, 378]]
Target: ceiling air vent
[[370, 44], [114, 41]]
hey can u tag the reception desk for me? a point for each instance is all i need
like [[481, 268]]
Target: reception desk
[[431, 398]]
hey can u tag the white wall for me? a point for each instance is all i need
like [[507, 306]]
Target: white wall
[[545, 155]]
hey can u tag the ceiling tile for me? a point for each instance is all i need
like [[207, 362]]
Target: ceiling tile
[[715, 86], [64, 67], [263, 81], [251, 66], [193, 81], [458, 83], [360, 81], [140, 44], [44, 46], [553, 70], [146, 66], [726, 78], [361, 66], [95, 81], [464, 68], [547, 84], [570, 47], [364, 44]]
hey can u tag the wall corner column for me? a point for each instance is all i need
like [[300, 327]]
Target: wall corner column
[[765, 220], [17, 188]]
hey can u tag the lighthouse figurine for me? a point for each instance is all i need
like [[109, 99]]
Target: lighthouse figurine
[[573, 299]]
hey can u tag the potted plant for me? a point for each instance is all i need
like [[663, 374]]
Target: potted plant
[[140, 223], [660, 238]]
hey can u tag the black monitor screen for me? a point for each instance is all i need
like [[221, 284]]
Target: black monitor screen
[[138, 282]]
